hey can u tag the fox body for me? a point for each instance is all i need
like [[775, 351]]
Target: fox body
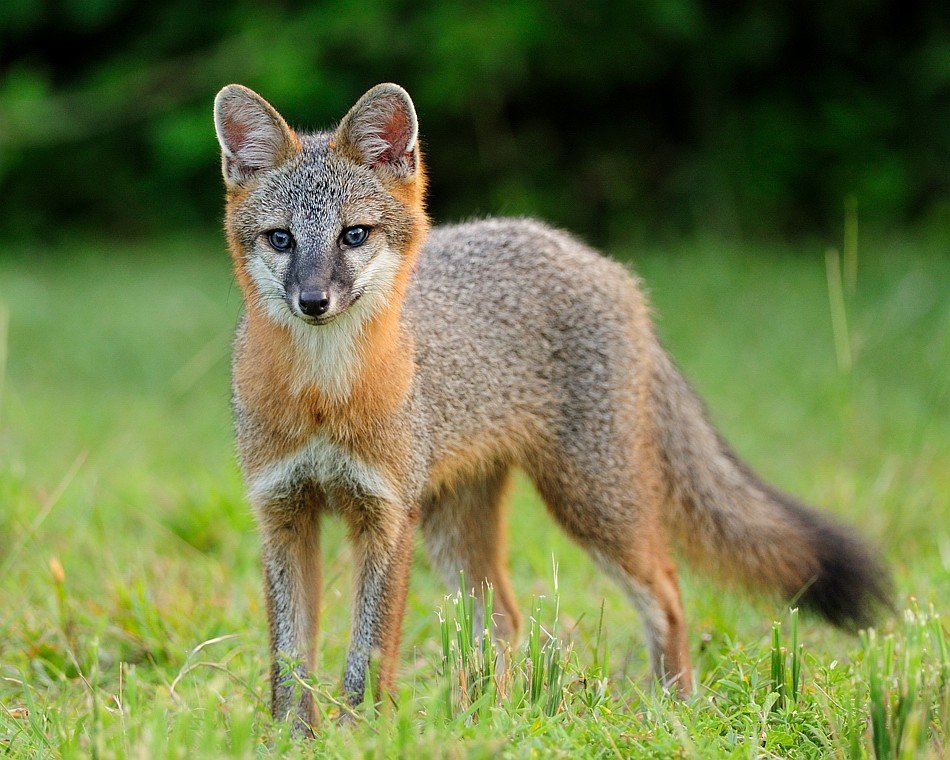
[[394, 375]]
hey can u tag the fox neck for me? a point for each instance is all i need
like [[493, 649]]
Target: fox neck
[[347, 374]]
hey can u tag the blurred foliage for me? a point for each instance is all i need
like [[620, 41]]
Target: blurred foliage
[[617, 119]]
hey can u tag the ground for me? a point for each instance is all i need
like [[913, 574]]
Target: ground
[[131, 617]]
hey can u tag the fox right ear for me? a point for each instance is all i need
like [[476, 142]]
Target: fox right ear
[[252, 135], [381, 131]]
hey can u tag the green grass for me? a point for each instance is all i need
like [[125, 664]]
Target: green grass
[[131, 619]]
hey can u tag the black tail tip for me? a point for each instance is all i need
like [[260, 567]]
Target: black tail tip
[[852, 587]]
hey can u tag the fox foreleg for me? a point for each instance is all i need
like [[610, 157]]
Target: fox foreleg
[[290, 554], [382, 535]]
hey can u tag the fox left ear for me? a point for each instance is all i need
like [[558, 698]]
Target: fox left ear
[[252, 135], [381, 132]]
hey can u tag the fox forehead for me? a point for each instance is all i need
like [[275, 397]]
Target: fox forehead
[[314, 194]]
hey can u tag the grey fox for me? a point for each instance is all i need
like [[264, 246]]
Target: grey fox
[[394, 376]]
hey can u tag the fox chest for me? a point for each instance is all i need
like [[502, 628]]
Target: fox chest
[[322, 462]]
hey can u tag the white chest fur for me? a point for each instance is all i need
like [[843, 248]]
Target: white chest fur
[[319, 461], [328, 356]]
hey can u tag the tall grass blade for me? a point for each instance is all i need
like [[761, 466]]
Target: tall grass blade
[[778, 666], [839, 315], [797, 652], [880, 736]]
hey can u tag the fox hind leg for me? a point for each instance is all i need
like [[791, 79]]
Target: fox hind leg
[[653, 589], [614, 514], [465, 532]]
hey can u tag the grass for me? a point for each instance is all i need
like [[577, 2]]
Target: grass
[[131, 619]]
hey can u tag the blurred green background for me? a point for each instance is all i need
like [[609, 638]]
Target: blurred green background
[[723, 149], [624, 121]]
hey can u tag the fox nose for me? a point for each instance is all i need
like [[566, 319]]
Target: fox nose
[[313, 303]]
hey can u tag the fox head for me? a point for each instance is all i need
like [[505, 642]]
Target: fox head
[[322, 227]]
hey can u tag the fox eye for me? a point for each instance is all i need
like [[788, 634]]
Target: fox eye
[[280, 240], [354, 236]]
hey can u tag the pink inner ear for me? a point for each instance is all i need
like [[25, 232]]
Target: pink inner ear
[[395, 132], [235, 133], [238, 134]]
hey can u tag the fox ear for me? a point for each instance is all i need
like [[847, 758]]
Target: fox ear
[[253, 136], [381, 132]]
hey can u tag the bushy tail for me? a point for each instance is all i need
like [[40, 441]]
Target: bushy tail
[[725, 516]]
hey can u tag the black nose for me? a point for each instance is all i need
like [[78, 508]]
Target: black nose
[[313, 303]]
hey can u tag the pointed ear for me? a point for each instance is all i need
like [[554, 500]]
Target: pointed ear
[[381, 131], [253, 136]]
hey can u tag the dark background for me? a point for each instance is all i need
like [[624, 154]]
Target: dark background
[[621, 120]]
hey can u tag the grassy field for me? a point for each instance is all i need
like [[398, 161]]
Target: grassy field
[[131, 618]]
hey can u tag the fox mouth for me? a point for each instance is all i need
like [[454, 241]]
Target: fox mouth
[[317, 321]]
